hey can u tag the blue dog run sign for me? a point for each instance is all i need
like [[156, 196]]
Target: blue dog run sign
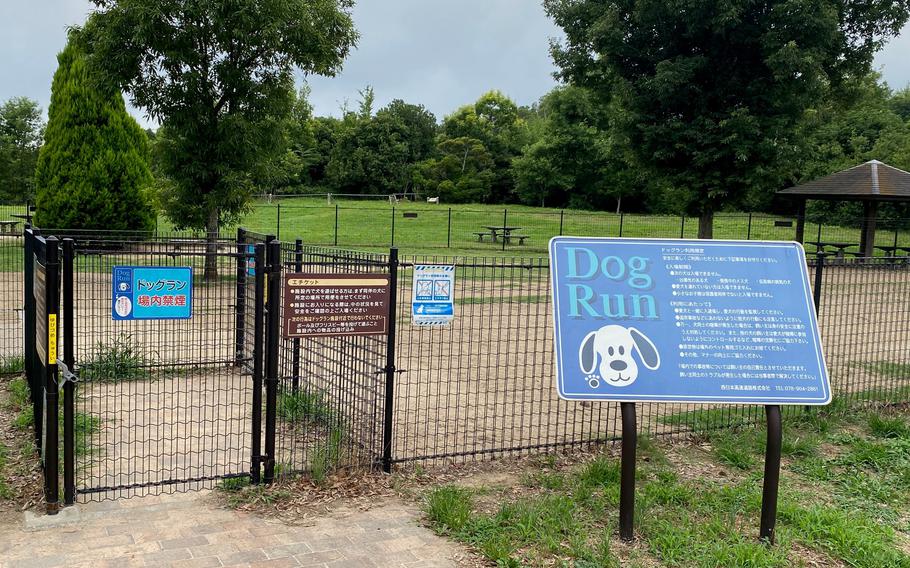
[[152, 293], [685, 321]]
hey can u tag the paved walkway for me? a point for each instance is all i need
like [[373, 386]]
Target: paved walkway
[[190, 530]]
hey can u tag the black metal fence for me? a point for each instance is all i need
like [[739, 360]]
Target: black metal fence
[[484, 385], [169, 405], [417, 225]]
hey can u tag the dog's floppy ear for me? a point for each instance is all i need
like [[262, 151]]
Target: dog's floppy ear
[[646, 349], [587, 356]]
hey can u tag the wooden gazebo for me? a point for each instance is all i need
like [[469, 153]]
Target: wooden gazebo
[[871, 183]]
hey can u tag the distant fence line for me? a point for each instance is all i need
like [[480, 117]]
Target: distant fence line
[[464, 228]]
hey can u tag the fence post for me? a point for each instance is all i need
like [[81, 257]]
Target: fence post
[[336, 224], [749, 229], [240, 307], [258, 343], [298, 267], [622, 217], [449, 233], [817, 291], [278, 221], [69, 386], [505, 218], [682, 226], [273, 307], [393, 226], [50, 450], [390, 369], [562, 214]]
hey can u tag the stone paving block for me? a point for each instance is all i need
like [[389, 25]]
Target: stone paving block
[[318, 558], [285, 550], [184, 542], [206, 562], [243, 557], [213, 550], [166, 556], [288, 562], [39, 562], [330, 543]]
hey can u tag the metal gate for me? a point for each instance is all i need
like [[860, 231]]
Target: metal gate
[[165, 405], [150, 405]]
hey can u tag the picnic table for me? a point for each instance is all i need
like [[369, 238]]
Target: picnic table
[[841, 247], [501, 232]]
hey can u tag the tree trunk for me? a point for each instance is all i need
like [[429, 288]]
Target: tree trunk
[[706, 225], [211, 246]]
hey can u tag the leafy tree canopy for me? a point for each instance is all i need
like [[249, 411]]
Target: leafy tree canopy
[[21, 133], [218, 75], [376, 154], [495, 121], [712, 93]]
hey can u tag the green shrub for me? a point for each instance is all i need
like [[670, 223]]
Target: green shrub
[[93, 170]]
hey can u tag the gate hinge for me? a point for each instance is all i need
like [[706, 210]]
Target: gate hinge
[[64, 371]]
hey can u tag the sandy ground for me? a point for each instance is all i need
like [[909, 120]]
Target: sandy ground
[[481, 385]]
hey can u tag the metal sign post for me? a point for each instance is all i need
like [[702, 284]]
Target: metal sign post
[[688, 321]]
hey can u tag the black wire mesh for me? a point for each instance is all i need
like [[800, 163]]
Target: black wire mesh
[[169, 405], [330, 392], [161, 405]]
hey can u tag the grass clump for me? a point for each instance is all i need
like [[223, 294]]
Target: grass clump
[[889, 426], [326, 456], [12, 365], [120, 360], [304, 406]]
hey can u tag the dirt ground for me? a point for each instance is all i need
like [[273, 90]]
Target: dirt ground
[[481, 385]]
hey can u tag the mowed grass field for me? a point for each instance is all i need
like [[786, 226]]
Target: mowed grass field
[[422, 228]]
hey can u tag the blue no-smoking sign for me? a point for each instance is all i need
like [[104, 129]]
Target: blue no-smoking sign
[[152, 293], [685, 321]]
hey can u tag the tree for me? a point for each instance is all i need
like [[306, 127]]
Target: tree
[[842, 135], [218, 76], [376, 154], [289, 172], [711, 93], [576, 160], [21, 132], [495, 121], [92, 170], [462, 173]]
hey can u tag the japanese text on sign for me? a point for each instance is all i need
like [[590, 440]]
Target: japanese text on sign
[[148, 292], [324, 305], [686, 321]]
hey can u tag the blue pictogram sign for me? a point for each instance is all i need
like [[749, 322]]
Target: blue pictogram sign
[[432, 300], [685, 321]]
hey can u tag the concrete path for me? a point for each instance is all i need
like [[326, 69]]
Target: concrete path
[[190, 530]]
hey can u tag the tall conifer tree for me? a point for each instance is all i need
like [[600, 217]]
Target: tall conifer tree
[[93, 170]]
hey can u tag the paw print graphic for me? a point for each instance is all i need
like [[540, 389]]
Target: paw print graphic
[[593, 381]]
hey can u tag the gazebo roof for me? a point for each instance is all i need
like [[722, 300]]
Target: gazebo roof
[[872, 181]]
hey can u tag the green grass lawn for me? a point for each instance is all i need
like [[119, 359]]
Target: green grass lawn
[[444, 229], [844, 502]]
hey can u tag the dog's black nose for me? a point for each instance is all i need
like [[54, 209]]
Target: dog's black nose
[[618, 365]]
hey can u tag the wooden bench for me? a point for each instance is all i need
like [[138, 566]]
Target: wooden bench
[[481, 235], [521, 239], [8, 227]]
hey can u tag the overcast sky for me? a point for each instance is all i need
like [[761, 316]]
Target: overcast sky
[[439, 53]]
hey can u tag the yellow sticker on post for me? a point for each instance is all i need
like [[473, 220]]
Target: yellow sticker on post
[[52, 339]]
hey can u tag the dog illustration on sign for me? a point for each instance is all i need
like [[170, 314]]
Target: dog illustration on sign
[[612, 345]]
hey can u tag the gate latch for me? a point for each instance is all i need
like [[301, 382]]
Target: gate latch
[[64, 371]]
